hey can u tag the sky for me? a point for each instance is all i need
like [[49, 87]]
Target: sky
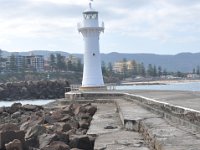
[[131, 26]]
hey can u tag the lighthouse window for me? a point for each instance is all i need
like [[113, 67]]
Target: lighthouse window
[[90, 16]]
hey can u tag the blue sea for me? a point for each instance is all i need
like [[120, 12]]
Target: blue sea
[[187, 86]]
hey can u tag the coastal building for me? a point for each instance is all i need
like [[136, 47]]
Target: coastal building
[[73, 59], [90, 29], [15, 62], [120, 66], [35, 63]]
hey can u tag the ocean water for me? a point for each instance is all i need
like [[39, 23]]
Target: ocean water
[[190, 86], [23, 102]]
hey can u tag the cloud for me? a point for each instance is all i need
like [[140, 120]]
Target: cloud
[[164, 21]]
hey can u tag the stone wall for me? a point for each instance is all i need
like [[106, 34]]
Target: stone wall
[[33, 90]]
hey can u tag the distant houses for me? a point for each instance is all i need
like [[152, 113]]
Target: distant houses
[[18, 63], [38, 63]]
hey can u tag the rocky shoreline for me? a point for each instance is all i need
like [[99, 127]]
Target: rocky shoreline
[[33, 90], [32, 127]]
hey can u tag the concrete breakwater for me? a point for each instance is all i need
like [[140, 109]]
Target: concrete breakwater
[[147, 120], [33, 90]]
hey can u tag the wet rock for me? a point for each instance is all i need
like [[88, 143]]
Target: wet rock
[[14, 145], [80, 141]]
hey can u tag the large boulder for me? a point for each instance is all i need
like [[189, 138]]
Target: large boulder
[[15, 107], [14, 145], [80, 141], [8, 136]]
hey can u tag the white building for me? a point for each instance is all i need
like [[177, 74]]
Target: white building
[[90, 29]]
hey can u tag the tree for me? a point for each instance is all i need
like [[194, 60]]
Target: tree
[[194, 71], [110, 67], [52, 61], [79, 66], [164, 72], [154, 71], [198, 70], [159, 71], [124, 67], [103, 67], [13, 65], [150, 70], [60, 64]]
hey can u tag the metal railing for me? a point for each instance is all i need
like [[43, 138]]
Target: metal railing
[[76, 87]]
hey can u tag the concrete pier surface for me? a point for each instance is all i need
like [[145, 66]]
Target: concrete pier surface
[[143, 119], [186, 99]]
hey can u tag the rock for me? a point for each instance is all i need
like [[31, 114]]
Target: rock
[[91, 110], [74, 123], [57, 115], [1, 110], [67, 117], [15, 107], [84, 124], [79, 109], [46, 139], [29, 107], [8, 127], [8, 136], [80, 141], [64, 137], [68, 110], [32, 135], [48, 119], [35, 131], [57, 145], [16, 115], [32, 121], [14, 145], [61, 127]]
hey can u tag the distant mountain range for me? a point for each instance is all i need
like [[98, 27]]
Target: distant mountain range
[[184, 62]]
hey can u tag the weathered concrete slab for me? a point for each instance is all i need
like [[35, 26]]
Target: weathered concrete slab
[[131, 114], [120, 140], [105, 120]]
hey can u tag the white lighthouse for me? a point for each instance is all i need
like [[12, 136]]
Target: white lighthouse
[[90, 29]]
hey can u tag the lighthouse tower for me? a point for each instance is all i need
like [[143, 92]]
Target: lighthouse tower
[[90, 29]]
